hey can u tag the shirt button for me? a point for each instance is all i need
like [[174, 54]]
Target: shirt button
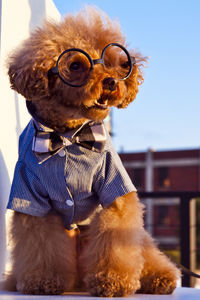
[[70, 202], [61, 153]]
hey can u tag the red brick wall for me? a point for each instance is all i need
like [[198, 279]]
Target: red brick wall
[[181, 178]]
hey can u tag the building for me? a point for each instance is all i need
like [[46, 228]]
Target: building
[[175, 170]]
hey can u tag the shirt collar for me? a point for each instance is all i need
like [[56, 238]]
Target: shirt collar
[[47, 142]]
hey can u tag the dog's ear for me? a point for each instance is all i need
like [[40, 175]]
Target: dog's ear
[[28, 66], [28, 74], [25, 80], [134, 80]]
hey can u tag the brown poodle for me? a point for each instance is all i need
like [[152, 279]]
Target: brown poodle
[[78, 223]]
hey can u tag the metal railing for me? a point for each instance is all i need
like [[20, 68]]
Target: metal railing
[[187, 227]]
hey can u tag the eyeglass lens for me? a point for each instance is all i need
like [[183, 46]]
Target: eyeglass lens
[[74, 66], [116, 58]]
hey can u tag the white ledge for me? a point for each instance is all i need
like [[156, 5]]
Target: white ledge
[[179, 294]]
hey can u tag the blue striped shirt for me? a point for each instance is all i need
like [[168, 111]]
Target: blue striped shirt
[[73, 183]]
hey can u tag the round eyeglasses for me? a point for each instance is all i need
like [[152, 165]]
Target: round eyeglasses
[[74, 65]]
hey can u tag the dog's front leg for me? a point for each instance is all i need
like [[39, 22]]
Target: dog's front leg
[[112, 260], [43, 255]]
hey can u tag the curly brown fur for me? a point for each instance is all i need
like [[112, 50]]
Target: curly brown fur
[[60, 105], [121, 258], [112, 260], [43, 256], [115, 256], [159, 275]]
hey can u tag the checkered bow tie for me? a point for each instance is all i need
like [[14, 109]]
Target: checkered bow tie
[[47, 142]]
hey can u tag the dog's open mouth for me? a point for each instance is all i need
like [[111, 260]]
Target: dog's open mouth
[[101, 103]]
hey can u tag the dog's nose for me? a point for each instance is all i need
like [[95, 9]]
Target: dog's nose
[[110, 83]]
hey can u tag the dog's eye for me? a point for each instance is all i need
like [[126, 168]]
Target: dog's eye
[[125, 65], [75, 66]]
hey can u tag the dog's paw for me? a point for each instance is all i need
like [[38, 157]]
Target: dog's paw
[[160, 285], [41, 286], [111, 285]]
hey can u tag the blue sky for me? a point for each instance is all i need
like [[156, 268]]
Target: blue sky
[[166, 112]]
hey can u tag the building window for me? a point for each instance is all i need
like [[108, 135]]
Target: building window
[[163, 218], [163, 178], [137, 178]]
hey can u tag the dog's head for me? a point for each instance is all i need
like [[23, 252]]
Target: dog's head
[[76, 70]]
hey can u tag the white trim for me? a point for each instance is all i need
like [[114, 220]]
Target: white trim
[[167, 240], [180, 162], [134, 164], [149, 179], [163, 201]]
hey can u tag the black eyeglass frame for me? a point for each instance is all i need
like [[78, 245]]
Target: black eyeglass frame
[[131, 62]]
